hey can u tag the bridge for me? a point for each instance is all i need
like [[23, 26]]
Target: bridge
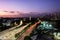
[[9, 34]]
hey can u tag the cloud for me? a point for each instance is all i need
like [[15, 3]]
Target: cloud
[[12, 11], [9, 13]]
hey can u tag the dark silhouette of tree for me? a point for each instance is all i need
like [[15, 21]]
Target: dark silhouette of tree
[[27, 38]]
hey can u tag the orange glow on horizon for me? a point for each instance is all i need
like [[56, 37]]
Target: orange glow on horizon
[[7, 13]]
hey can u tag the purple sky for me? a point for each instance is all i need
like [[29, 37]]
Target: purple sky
[[30, 5]]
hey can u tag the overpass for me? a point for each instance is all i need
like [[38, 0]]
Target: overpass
[[9, 34]]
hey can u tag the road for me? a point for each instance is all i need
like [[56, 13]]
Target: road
[[28, 31], [10, 35], [5, 31]]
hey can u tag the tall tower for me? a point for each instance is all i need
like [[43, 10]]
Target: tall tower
[[55, 16], [30, 18]]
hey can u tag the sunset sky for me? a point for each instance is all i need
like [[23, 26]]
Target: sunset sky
[[27, 6]]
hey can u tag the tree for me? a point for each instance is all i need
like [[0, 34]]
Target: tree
[[27, 38]]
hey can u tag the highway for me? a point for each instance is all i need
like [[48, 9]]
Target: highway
[[28, 31], [5, 31], [10, 35]]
